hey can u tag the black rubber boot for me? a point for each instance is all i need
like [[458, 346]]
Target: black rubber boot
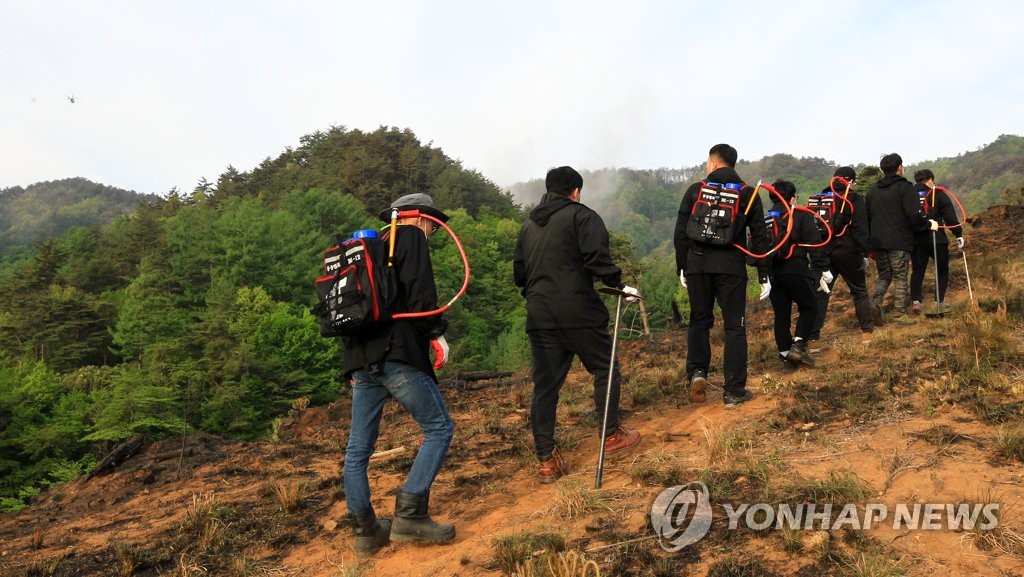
[[370, 533], [414, 525], [798, 353]]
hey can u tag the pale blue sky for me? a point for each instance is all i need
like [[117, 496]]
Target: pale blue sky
[[169, 92]]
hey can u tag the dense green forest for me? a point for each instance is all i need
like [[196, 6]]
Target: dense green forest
[[191, 311], [49, 209]]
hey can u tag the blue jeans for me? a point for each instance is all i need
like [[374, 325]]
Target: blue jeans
[[418, 394]]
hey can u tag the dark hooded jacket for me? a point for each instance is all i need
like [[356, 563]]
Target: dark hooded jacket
[[941, 210], [562, 247], [894, 214], [699, 257]]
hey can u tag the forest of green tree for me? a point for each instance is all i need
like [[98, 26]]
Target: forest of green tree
[[48, 209], [192, 311]]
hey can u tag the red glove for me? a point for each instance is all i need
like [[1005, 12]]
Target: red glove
[[440, 347]]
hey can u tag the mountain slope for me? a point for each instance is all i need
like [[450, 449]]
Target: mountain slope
[[47, 209], [928, 413]]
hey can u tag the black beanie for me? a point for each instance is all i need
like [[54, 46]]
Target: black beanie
[[846, 172]]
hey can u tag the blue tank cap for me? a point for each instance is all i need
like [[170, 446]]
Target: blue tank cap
[[733, 186], [365, 233], [774, 213], [922, 193]]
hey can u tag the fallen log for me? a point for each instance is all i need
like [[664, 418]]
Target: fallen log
[[116, 456]]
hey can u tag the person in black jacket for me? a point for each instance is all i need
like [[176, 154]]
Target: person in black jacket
[[848, 255], [933, 244], [717, 272], [894, 215], [796, 272], [562, 247], [393, 360]]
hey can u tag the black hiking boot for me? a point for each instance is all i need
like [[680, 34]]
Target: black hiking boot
[[414, 525], [734, 399], [799, 354], [370, 533]]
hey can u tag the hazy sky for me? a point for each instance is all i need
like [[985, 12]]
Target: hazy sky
[[169, 92]]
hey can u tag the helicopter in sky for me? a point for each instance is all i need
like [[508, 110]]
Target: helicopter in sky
[[71, 98]]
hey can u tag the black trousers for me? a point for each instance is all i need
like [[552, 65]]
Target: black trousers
[[786, 290], [848, 266], [731, 293], [553, 350], [919, 264]]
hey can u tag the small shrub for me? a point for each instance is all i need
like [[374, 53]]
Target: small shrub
[[290, 494], [721, 445], [875, 565], [511, 551], [1009, 442], [744, 567], [656, 468], [573, 499], [837, 487]]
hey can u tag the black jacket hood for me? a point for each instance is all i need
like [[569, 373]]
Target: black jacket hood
[[890, 180], [723, 174], [550, 203]]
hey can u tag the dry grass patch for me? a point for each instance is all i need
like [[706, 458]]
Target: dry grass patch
[[875, 565], [574, 499], [291, 494], [720, 445], [512, 551]]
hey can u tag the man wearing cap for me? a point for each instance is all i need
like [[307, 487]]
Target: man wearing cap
[[894, 215], [392, 360], [847, 253], [562, 247], [933, 244]]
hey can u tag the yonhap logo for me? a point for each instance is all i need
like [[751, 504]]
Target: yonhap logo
[[681, 515]]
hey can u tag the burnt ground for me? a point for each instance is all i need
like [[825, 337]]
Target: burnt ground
[[927, 413]]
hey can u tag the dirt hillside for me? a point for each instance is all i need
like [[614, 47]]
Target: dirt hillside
[[926, 413]]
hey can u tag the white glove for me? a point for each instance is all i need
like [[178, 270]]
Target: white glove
[[682, 278], [960, 242], [440, 346], [933, 224], [827, 277], [766, 288], [867, 262], [633, 294], [823, 282]]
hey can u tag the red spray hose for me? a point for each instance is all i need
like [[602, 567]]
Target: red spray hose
[[465, 265], [827, 228], [963, 211], [789, 224], [846, 201]]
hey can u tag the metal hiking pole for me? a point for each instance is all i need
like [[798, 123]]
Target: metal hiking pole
[[611, 373], [935, 262], [969, 290]]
